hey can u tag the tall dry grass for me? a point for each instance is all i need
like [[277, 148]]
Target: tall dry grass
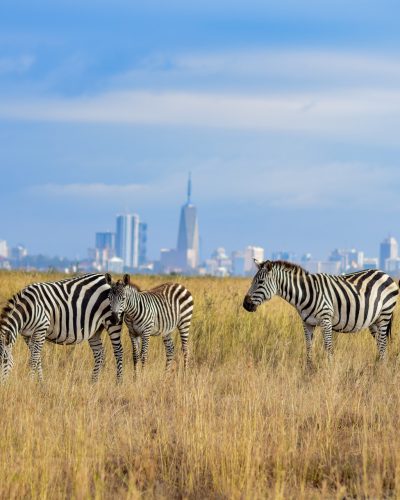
[[247, 420]]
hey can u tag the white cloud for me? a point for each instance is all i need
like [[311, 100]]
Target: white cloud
[[362, 114], [280, 186]]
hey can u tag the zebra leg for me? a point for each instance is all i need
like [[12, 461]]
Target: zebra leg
[[35, 346], [114, 331], [8, 361], [381, 340], [309, 335], [96, 345], [135, 341], [326, 325], [381, 337], [118, 353], [169, 351], [28, 342], [145, 348], [183, 328]]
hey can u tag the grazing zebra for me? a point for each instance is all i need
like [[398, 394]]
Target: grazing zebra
[[152, 312], [63, 312], [344, 303]]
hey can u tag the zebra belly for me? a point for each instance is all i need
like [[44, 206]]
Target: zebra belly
[[165, 325], [158, 327], [66, 336], [352, 324]]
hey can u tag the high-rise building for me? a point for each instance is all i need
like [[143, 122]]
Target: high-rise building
[[350, 260], [388, 250], [105, 240], [142, 243], [238, 263], [250, 254], [127, 239], [188, 234], [318, 266], [104, 249], [115, 265], [3, 248], [18, 252]]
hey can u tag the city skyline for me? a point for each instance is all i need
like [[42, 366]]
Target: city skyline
[[128, 245], [125, 250]]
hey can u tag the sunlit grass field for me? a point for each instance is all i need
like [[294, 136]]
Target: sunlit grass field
[[246, 421]]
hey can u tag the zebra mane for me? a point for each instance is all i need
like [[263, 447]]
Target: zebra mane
[[134, 286], [290, 266]]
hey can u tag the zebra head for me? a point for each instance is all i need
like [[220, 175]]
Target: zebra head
[[117, 295], [263, 286]]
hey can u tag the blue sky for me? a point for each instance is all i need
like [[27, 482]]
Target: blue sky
[[286, 113]]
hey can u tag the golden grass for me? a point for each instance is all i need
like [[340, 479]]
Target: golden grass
[[247, 421]]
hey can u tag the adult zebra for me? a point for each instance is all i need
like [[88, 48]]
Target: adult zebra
[[347, 303], [152, 312], [63, 312]]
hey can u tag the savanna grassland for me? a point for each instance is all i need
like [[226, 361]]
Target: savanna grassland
[[247, 420]]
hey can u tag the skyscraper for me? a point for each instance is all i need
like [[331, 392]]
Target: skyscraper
[[104, 248], [188, 234], [388, 250], [127, 239], [250, 254], [142, 243], [105, 240]]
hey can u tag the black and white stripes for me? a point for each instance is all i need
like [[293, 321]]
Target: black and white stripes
[[346, 303], [64, 312], [152, 312]]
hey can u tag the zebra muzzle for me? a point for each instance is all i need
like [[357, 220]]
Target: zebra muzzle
[[248, 304], [116, 317]]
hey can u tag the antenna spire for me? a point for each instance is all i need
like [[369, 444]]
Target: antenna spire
[[189, 188]]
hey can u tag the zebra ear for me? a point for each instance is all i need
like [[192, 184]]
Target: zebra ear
[[268, 265], [108, 278], [258, 263], [126, 280]]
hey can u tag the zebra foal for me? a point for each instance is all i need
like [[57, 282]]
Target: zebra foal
[[152, 312], [63, 312], [347, 303]]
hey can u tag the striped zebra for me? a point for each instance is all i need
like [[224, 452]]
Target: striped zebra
[[63, 312], [152, 312], [347, 303]]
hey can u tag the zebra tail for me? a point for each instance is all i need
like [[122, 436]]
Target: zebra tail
[[389, 328]]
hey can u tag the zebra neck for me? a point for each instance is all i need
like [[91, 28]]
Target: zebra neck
[[133, 301], [289, 285]]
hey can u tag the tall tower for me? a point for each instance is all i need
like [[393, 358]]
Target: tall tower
[[388, 250], [127, 239], [188, 234]]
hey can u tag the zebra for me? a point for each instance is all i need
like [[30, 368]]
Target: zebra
[[345, 303], [64, 312], [152, 312]]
